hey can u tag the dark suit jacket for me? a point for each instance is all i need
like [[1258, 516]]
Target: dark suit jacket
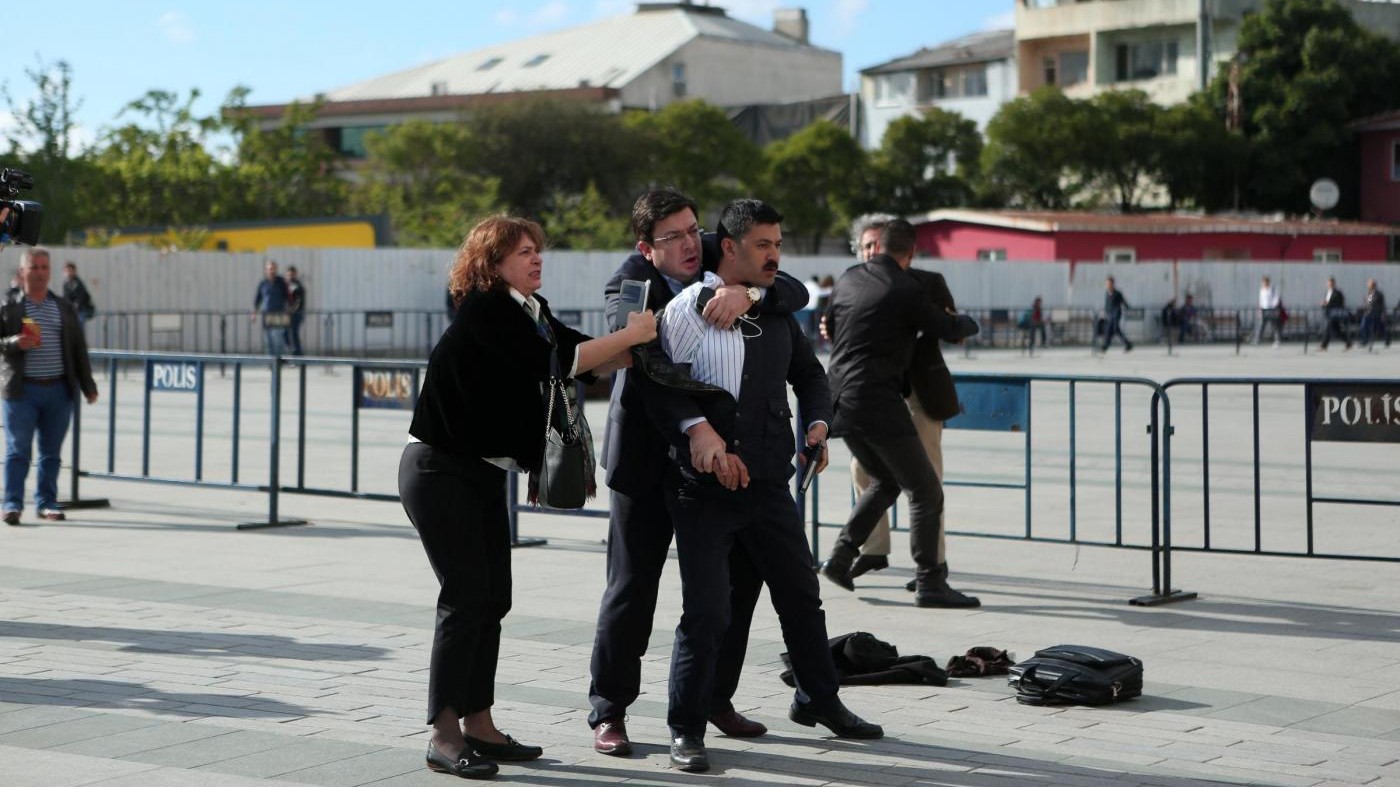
[[481, 396], [1336, 301], [928, 372], [633, 450], [877, 312], [781, 355]]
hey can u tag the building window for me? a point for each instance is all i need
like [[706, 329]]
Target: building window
[[967, 82], [438, 89], [1146, 60], [536, 60], [894, 89], [352, 140], [1116, 255], [1395, 159], [489, 63], [1051, 72], [991, 255], [678, 79], [1327, 255], [1074, 68]]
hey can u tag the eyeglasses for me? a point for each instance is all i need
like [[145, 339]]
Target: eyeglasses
[[693, 233]]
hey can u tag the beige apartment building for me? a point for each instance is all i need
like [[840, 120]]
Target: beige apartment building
[[1087, 46]]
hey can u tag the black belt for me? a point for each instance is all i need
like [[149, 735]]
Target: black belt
[[46, 380]]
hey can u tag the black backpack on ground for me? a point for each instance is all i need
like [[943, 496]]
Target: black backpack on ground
[[1076, 675]]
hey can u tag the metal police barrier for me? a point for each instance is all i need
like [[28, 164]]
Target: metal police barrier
[[998, 402], [375, 386], [1355, 412]]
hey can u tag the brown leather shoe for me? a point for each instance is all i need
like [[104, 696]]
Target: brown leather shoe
[[610, 737], [736, 725]]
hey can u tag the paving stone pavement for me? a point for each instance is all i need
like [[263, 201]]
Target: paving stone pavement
[[151, 643]]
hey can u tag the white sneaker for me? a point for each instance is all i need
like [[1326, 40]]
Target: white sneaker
[[1276, 342]]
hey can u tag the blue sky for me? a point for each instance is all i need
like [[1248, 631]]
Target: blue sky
[[294, 48]]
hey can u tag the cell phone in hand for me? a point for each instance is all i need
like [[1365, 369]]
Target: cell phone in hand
[[813, 453], [632, 298]]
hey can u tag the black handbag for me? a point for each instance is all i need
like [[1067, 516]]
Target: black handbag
[[566, 470], [1076, 675]]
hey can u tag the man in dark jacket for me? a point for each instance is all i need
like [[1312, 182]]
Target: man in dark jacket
[[671, 255], [1113, 305], [45, 368], [75, 291], [733, 457], [932, 399], [877, 313], [1334, 303], [1373, 323]]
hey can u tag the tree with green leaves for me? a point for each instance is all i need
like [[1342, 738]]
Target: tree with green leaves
[[811, 177], [693, 146], [1199, 161], [160, 172], [287, 171], [926, 161], [1306, 71], [585, 221], [426, 178], [1036, 152], [1122, 132], [41, 143], [536, 150]]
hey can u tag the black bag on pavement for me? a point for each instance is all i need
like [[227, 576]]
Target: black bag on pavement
[[1076, 675]]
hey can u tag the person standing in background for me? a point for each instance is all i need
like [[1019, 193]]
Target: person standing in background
[[76, 292], [296, 309], [270, 303]]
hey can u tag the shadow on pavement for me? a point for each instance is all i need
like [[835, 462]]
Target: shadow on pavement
[[84, 693], [194, 643]]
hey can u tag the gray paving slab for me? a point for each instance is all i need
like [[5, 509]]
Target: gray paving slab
[[215, 657]]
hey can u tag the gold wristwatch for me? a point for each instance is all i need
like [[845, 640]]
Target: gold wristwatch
[[755, 294]]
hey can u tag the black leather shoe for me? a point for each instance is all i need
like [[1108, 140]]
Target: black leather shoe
[[945, 598], [12, 517], [837, 718], [737, 725], [470, 766], [510, 751], [839, 573], [688, 754], [866, 563]]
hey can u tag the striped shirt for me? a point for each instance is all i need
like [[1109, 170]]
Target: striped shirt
[[715, 356], [46, 360]]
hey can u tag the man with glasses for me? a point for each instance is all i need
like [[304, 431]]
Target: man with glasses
[[672, 252]]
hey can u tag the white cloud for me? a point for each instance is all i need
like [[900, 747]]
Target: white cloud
[[506, 17], [550, 14], [605, 8], [1003, 21], [847, 12], [176, 27]]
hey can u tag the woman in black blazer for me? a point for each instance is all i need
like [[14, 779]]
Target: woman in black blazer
[[482, 413]]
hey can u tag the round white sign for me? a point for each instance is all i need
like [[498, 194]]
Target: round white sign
[[1324, 194]]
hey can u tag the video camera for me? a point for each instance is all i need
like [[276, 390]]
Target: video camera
[[21, 224]]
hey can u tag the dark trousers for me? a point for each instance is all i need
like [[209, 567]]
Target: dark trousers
[[1336, 326], [639, 539], [294, 332], [458, 507], [763, 519], [1113, 326], [896, 464]]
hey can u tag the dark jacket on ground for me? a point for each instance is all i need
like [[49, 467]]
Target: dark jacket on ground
[[877, 312], [76, 366], [481, 397], [928, 372], [633, 448]]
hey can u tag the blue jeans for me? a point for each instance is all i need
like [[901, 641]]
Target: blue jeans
[[48, 409], [274, 338]]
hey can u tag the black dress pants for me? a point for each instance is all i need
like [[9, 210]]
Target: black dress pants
[[763, 520], [639, 539], [896, 464], [458, 506]]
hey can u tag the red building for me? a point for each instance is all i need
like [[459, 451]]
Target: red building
[[1092, 237], [1379, 140]]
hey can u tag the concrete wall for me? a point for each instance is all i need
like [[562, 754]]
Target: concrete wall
[[774, 75], [130, 279]]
